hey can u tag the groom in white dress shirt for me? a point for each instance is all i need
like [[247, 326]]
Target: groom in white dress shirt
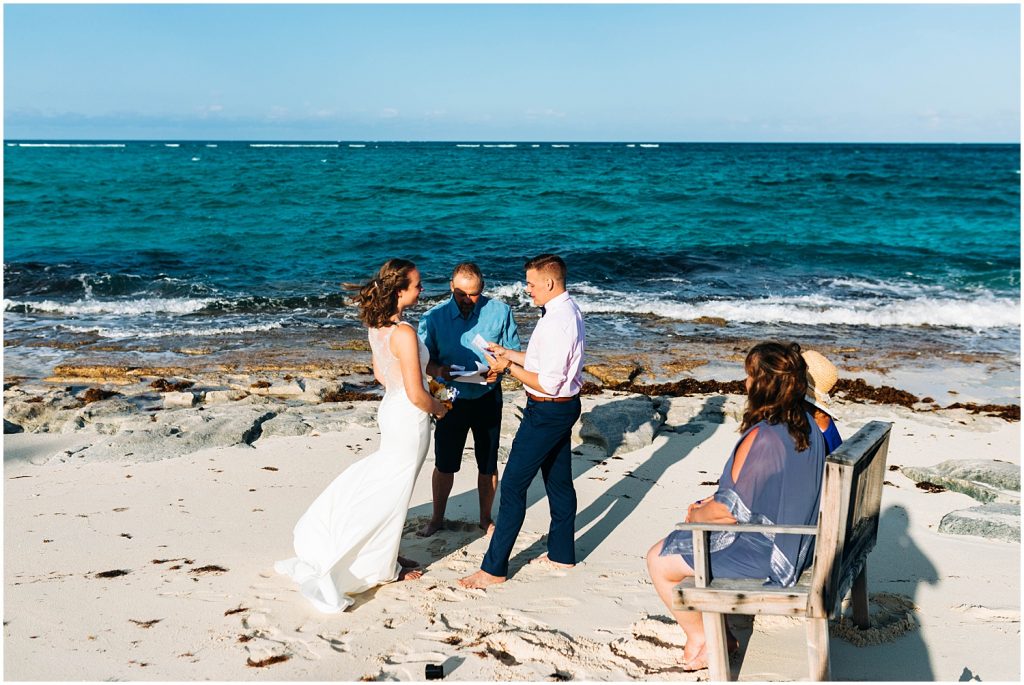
[[551, 372]]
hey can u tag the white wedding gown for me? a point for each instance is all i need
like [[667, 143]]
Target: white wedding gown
[[347, 541]]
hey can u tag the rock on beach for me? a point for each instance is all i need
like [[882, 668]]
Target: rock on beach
[[986, 480]]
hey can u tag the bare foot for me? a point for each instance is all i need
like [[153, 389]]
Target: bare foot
[[543, 559], [487, 527], [480, 580], [410, 574], [429, 529], [407, 563], [698, 662]]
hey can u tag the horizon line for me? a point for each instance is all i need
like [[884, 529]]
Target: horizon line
[[508, 141]]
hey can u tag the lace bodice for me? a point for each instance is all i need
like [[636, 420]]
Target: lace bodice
[[387, 363]]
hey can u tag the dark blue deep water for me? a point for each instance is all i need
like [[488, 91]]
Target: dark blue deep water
[[234, 243]]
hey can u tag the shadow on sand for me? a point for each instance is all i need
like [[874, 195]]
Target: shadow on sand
[[609, 509], [906, 657]]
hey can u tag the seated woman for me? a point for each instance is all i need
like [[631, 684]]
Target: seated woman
[[821, 378], [773, 476]]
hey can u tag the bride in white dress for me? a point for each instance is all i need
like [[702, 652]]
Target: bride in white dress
[[347, 541]]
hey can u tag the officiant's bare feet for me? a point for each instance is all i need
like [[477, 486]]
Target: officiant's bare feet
[[429, 529], [407, 563], [543, 559], [480, 580]]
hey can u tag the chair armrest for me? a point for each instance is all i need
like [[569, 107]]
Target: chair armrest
[[748, 528], [702, 532]]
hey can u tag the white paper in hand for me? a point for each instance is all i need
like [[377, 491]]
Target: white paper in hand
[[479, 376], [481, 344]]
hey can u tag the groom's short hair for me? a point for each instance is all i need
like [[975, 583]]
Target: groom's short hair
[[468, 269], [551, 264]]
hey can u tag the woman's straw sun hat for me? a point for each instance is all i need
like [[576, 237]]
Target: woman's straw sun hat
[[821, 378]]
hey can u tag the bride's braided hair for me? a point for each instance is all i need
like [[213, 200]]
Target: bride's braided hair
[[777, 392], [378, 298]]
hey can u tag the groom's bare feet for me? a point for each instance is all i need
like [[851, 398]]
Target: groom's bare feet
[[429, 529], [480, 580], [543, 559], [407, 563]]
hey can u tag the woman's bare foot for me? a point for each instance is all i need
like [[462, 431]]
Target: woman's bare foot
[[480, 580], [543, 559], [410, 574], [487, 527], [429, 529], [697, 660], [407, 563]]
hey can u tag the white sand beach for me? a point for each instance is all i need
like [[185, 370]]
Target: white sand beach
[[140, 567]]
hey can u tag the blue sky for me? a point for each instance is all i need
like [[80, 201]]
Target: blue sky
[[915, 73]]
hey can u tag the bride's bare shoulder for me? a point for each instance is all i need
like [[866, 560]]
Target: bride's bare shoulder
[[402, 337]]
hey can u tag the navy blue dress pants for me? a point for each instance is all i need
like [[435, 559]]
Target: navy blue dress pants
[[541, 444]]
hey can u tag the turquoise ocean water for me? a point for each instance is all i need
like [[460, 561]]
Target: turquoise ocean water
[[147, 247]]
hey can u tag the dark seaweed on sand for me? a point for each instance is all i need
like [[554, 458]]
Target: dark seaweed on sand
[[269, 661], [96, 394], [212, 568], [348, 396], [112, 574], [164, 385]]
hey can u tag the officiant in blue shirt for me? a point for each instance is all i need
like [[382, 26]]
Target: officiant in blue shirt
[[448, 330]]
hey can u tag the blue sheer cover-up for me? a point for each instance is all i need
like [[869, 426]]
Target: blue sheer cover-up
[[777, 485]]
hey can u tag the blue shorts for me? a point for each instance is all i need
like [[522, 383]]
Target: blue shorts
[[482, 416]]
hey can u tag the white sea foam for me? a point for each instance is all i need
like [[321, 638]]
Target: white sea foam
[[630, 144], [467, 145], [211, 145], [12, 145], [70, 144], [535, 145], [196, 159], [903, 288], [649, 145], [670, 279], [172, 145], [559, 145], [177, 331], [356, 145], [174, 305], [817, 311], [985, 311], [514, 293], [499, 145], [293, 145]]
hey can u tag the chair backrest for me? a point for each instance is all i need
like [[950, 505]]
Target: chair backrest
[[848, 518]]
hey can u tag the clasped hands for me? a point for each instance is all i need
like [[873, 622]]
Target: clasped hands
[[708, 510]]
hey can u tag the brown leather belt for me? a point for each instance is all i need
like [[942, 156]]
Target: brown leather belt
[[551, 399]]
